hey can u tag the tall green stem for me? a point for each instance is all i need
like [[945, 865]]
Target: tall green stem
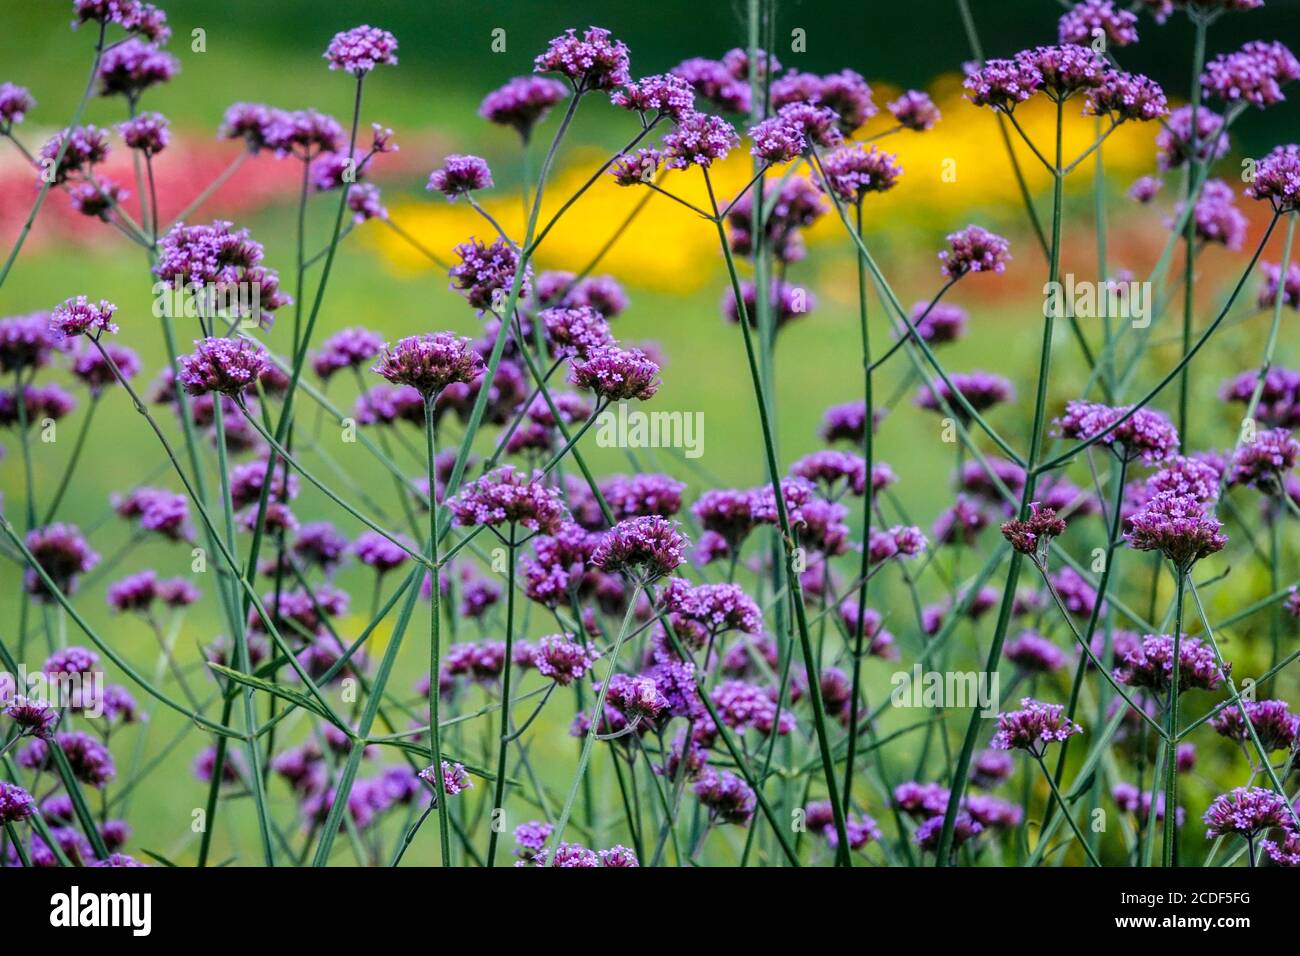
[[503, 742], [435, 653], [959, 777]]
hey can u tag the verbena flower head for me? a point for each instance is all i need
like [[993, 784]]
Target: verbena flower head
[[718, 81], [938, 323], [982, 390], [350, 348], [1187, 476], [363, 200], [86, 146], [787, 301], [15, 102], [304, 133], [710, 609], [16, 804], [429, 363], [1150, 664], [562, 659], [1254, 74], [914, 110], [27, 342], [974, 249], [1002, 84], [592, 62], [1262, 462], [1279, 398], [460, 175], [618, 856], [637, 168], [1079, 24], [133, 16], [147, 133], [507, 496], [837, 471], [1273, 284], [727, 797], [1284, 851], [486, 272], [80, 316], [1033, 727], [158, 510], [34, 403], [250, 122], [663, 94], [847, 422], [698, 139], [637, 698], [377, 551], [1178, 526], [847, 95], [929, 833], [575, 332], [227, 366], [1145, 434], [361, 49], [649, 547], [852, 171], [62, 554], [1274, 724], [1246, 811], [616, 374], [178, 593], [454, 778], [1277, 179], [1174, 141], [1144, 189], [643, 494], [31, 718], [1215, 217], [522, 103], [1033, 535], [135, 592], [132, 66], [1128, 96], [990, 768], [1067, 69], [1034, 654]]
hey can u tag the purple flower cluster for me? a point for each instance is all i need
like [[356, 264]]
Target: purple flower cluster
[[1133, 434], [593, 61], [429, 363], [507, 496], [1033, 727], [460, 175], [974, 249], [1254, 74], [522, 103], [361, 49]]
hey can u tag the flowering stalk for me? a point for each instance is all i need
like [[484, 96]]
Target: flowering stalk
[[597, 718], [435, 653], [962, 766], [503, 742], [793, 584]]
